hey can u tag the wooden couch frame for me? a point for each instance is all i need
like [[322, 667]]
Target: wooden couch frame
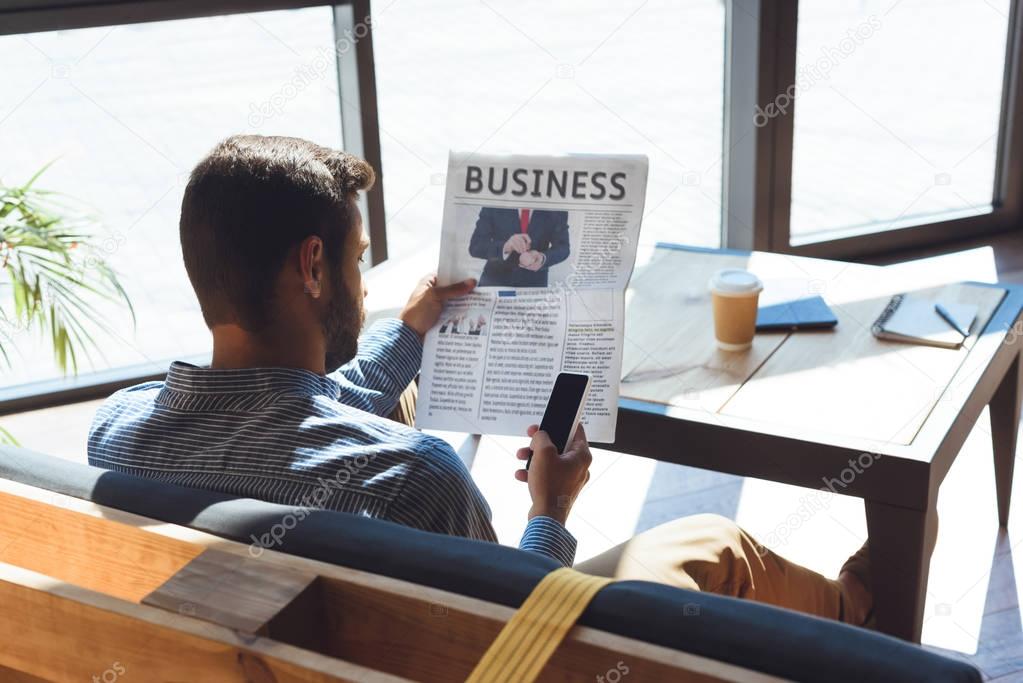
[[93, 593]]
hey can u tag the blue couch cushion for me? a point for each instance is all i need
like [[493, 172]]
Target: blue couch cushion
[[756, 636]]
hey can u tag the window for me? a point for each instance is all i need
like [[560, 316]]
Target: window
[[897, 113], [860, 127], [126, 111], [619, 77], [906, 127]]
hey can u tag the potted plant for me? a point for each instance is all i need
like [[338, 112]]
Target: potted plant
[[53, 273]]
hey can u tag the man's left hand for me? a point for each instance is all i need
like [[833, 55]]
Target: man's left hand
[[532, 260], [427, 301]]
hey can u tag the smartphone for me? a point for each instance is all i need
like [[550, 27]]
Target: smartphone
[[564, 408]]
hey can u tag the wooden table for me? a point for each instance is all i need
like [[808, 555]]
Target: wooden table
[[838, 410], [804, 408]]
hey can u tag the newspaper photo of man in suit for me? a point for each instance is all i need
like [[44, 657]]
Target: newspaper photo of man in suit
[[519, 245]]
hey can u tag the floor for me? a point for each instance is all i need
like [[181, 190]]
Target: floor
[[972, 608]]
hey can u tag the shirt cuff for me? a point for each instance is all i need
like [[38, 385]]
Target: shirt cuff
[[549, 537]]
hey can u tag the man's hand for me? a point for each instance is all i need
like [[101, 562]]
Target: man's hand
[[532, 260], [427, 301], [554, 479], [519, 242]]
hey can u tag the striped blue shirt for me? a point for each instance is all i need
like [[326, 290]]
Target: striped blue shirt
[[294, 437]]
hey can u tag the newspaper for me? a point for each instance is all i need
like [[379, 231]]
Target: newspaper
[[552, 242]]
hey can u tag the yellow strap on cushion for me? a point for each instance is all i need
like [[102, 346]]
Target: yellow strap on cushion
[[531, 636]]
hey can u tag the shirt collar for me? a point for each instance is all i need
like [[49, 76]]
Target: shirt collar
[[186, 378]]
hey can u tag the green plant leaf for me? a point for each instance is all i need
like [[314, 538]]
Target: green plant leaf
[[55, 271], [35, 177], [7, 438]]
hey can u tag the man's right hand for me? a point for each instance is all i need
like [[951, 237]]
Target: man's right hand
[[427, 301], [519, 242], [555, 479]]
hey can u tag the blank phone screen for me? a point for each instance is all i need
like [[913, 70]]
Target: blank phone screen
[[562, 408]]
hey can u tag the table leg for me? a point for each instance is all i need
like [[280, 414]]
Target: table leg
[[901, 542], [1004, 410]]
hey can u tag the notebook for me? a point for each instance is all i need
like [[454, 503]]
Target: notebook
[[914, 320]]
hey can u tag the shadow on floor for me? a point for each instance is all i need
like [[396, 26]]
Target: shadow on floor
[[677, 490]]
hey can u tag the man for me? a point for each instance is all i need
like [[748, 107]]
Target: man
[[272, 240], [519, 245]]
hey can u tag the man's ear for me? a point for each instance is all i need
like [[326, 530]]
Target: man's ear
[[311, 265]]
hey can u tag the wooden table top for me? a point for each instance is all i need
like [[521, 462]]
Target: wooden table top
[[841, 387], [843, 382]]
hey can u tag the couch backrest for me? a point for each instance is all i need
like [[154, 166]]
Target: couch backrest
[[751, 635]]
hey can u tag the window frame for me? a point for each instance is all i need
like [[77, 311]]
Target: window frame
[[359, 126], [761, 40]]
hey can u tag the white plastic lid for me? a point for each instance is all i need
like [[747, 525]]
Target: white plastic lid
[[735, 281]]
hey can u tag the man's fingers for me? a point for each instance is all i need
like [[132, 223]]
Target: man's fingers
[[522, 475], [541, 440], [532, 429], [531, 260], [522, 454], [581, 448], [456, 289], [580, 437]]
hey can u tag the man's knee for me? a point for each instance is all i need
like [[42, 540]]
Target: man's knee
[[703, 538], [718, 523], [706, 528], [700, 552], [712, 550]]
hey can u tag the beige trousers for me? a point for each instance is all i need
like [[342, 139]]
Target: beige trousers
[[712, 553]]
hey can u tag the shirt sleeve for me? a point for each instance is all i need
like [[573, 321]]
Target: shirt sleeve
[[441, 496], [389, 357], [549, 537]]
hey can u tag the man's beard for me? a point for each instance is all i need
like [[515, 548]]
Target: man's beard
[[341, 327]]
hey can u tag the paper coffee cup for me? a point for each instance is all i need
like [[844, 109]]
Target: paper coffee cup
[[734, 293]]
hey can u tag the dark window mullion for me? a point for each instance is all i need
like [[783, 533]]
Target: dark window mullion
[[360, 127], [759, 68], [1008, 186]]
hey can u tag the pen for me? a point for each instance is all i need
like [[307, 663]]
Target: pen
[[943, 312]]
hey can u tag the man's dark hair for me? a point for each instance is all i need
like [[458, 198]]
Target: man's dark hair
[[247, 204]]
